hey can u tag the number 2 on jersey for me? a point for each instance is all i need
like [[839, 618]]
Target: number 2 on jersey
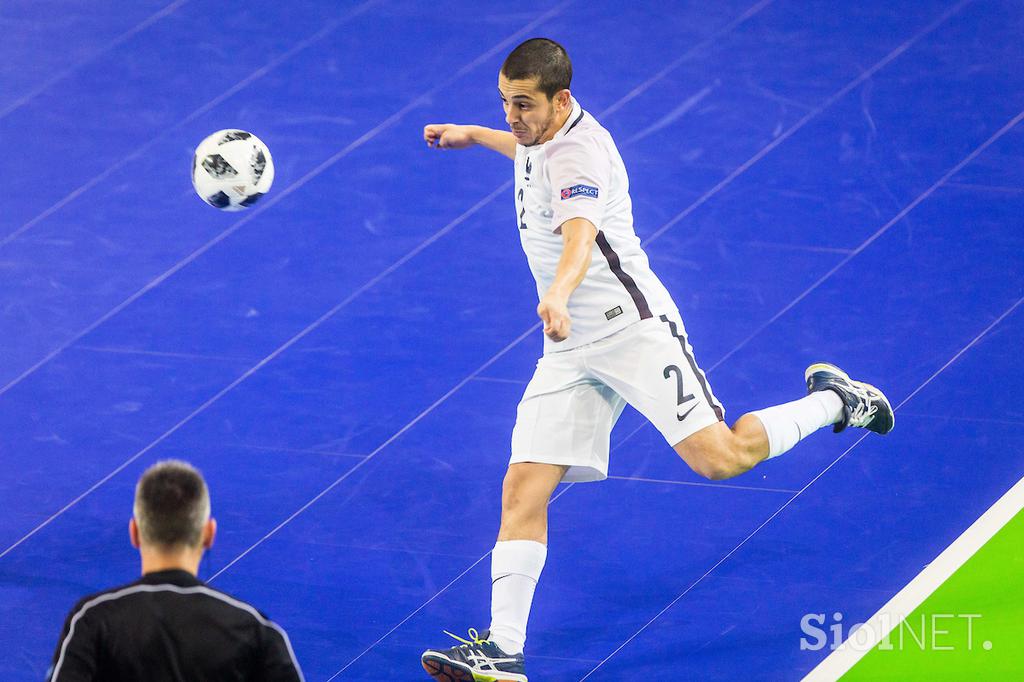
[[681, 398]]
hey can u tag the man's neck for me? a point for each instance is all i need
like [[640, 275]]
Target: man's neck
[[187, 560], [558, 124]]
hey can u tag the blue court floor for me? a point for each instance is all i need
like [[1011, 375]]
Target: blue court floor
[[813, 180]]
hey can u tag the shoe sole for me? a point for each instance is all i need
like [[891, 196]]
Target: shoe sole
[[444, 670], [829, 367], [824, 367]]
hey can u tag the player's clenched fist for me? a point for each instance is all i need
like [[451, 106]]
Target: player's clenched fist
[[448, 136], [555, 314]]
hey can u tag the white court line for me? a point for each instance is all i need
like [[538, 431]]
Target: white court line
[[789, 132], [113, 350], [312, 501], [489, 362], [323, 32], [42, 87], [963, 418], [700, 484], [274, 199], [882, 230], [752, 11], [786, 247], [863, 245], [640, 427], [757, 157], [906, 601], [323, 318], [429, 601], [778, 511], [497, 380], [426, 411], [988, 188], [636, 92], [255, 368], [749, 13], [899, 50], [300, 451], [305, 331]]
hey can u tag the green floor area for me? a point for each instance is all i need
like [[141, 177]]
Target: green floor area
[[971, 628]]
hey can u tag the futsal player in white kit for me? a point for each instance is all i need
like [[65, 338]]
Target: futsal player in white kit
[[613, 336]]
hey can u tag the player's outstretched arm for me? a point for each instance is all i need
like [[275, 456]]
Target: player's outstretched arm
[[452, 136], [578, 236]]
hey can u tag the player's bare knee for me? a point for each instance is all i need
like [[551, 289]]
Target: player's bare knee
[[523, 514], [748, 441], [521, 496], [515, 502]]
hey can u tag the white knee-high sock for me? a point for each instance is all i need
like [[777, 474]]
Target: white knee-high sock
[[515, 570], [787, 424]]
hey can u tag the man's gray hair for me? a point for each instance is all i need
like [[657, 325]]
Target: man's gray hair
[[172, 504]]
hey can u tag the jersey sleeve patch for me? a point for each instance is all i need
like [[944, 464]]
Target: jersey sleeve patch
[[579, 191]]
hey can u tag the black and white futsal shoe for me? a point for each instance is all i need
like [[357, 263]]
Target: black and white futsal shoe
[[864, 406], [477, 659]]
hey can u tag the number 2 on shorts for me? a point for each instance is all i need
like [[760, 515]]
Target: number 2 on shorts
[[681, 398]]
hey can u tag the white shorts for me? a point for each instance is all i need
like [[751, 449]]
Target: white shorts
[[576, 396]]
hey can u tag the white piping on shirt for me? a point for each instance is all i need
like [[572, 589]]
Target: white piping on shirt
[[197, 589]]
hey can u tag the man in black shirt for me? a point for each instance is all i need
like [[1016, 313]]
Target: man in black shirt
[[169, 625]]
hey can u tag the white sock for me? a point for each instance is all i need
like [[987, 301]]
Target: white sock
[[515, 570], [787, 424]]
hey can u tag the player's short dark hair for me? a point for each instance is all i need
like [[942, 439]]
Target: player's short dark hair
[[172, 504], [543, 59]]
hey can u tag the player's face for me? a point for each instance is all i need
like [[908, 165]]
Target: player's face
[[533, 118]]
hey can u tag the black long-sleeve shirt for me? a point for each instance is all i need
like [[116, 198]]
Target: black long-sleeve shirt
[[169, 626]]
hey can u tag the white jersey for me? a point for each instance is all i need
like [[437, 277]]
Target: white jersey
[[579, 174]]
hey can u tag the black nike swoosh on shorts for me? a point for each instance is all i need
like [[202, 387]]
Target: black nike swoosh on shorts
[[683, 416]]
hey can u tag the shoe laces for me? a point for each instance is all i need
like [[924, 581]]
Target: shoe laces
[[474, 638], [865, 409]]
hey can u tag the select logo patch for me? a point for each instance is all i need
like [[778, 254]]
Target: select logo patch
[[579, 190]]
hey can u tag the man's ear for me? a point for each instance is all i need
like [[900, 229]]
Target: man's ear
[[563, 99], [133, 532], [209, 533]]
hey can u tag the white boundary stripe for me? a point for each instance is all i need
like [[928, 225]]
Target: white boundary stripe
[[700, 484], [839, 662], [198, 589], [973, 342], [32, 94]]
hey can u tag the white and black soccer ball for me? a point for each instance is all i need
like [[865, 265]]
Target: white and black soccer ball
[[232, 169]]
